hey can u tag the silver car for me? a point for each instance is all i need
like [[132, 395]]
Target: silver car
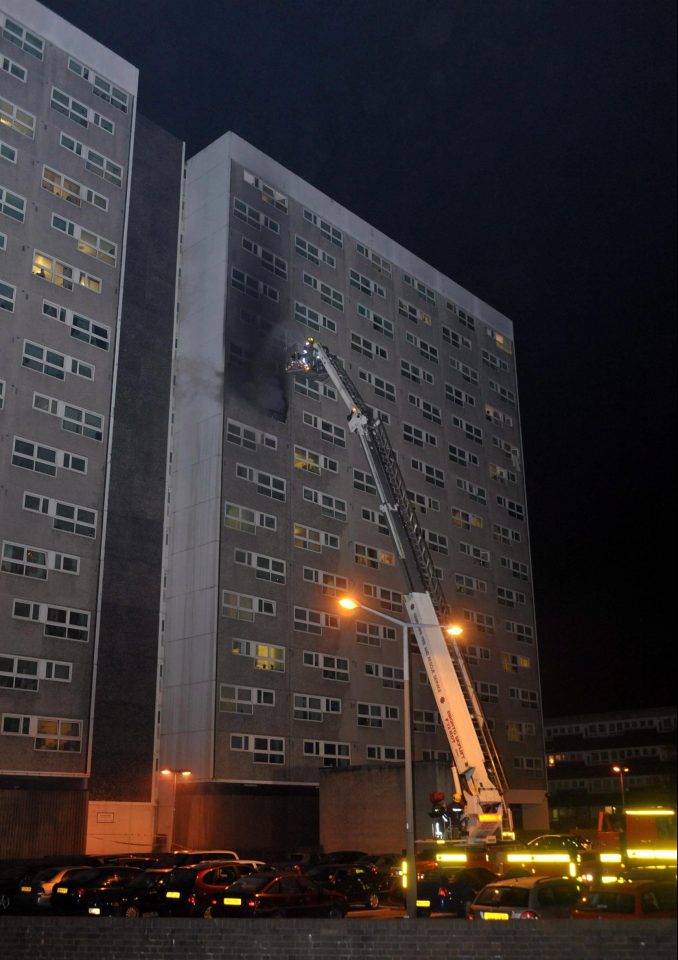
[[527, 898]]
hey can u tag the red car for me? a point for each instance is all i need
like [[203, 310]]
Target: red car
[[641, 900], [279, 895]]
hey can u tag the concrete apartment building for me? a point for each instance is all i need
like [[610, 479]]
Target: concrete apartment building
[[178, 515]]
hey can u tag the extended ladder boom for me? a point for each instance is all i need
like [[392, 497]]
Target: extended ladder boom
[[477, 766]]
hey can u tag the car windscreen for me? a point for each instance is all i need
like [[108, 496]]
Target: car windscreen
[[182, 877], [252, 883], [503, 897]]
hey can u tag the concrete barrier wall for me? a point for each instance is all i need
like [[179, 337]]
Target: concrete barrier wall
[[160, 939]]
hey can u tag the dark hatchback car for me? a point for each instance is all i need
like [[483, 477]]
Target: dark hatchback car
[[36, 887], [450, 891], [82, 888], [140, 897], [279, 895], [358, 882]]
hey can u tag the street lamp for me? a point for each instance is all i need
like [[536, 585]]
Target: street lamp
[[171, 772], [621, 771], [347, 603]]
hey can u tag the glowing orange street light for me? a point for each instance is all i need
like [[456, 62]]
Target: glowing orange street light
[[621, 771], [348, 603]]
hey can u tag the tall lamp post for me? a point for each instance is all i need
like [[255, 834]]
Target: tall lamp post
[[621, 771], [347, 603], [171, 772]]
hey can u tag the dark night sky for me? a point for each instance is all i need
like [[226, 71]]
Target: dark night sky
[[526, 148]]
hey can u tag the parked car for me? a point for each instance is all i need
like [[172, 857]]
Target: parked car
[[553, 842], [180, 858], [36, 886], [358, 882], [279, 895], [388, 867], [139, 897], [85, 885], [11, 874], [526, 898], [640, 900], [450, 891], [192, 891]]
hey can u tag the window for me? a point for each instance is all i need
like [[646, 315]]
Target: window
[[422, 503], [364, 284], [263, 749], [252, 287], [267, 193], [374, 714], [100, 87], [43, 459], [487, 692], [465, 319], [535, 764], [469, 585], [313, 621], [7, 296], [242, 606], [456, 339], [313, 462], [385, 754], [410, 312], [333, 668], [65, 516], [61, 623], [364, 481], [425, 721], [502, 474], [20, 120], [497, 416], [247, 520], [469, 374], [2, 394], [372, 634], [332, 754], [391, 677], [379, 324], [431, 474], [513, 662], [427, 350], [265, 568], [32, 562], [244, 436], [333, 234], [255, 218], [234, 699], [307, 707], [377, 518], [510, 598], [519, 730], [379, 264], [418, 437], [514, 509], [425, 292], [312, 253], [75, 419], [267, 484], [437, 542], [13, 69], [372, 557], [313, 319], [527, 698], [328, 431], [88, 243], [78, 112], [68, 189], [331, 583], [269, 260], [484, 622], [43, 360], [22, 37], [478, 555], [473, 654], [386, 599], [428, 410], [466, 520], [308, 538], [62, 274], [382, 388], [12, 205], [80, 327], [505, 535], [330, 506], [493, 361], [521, 631], [414, 373], [314, 390], [327, 293], [475, 492], [458, 396], [503, 392], [516, 568], [51, 733], [470, 430], [367, 348], [461, 456], [22, 673], [266, 656], [95, 162]]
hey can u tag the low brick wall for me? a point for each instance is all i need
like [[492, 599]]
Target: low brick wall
[[52, 938]]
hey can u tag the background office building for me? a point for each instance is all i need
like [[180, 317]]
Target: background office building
[[274, 513], [87, 292]]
